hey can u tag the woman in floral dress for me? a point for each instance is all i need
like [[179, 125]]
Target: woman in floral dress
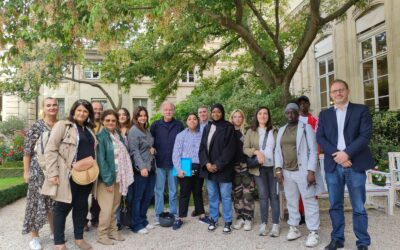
[[38, 207]]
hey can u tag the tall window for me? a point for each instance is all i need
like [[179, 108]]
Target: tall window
[[374, 68], [188, 77], [103, 102], [326, 74], [61, 108], [139, 102]]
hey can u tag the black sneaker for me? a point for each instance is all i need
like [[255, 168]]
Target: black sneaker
[[227, 228], [177, 224], [212, 226], [205, 220]]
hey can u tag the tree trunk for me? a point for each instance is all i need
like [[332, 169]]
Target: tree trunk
[[119, 93]]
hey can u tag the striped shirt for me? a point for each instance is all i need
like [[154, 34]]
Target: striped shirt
[[186, 145]]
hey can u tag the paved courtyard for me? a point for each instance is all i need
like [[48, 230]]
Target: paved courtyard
[[384, 230]]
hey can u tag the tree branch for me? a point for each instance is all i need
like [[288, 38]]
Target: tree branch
[[274, 37], [93, 84], [239, 11], [310, 32], [244, 34], [338, 12], [277, 24]]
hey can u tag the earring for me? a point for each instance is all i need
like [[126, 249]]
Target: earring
[[88, 120]]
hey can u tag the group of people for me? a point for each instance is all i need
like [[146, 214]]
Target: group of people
[[136, 160]]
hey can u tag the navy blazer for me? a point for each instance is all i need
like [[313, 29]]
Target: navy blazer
[[357, 134]]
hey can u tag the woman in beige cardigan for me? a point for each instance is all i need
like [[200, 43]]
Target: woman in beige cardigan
[[259, 141]]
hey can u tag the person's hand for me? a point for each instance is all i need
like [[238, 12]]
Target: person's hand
[[144, 172], [181, 174], [340, 157], [311, 178], [212, 168], [279, 175], [26, 176], [260, 157], [347, 164], [152, 151], [110, 189], [54, 180]]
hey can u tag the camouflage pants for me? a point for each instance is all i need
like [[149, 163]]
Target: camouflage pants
[[243, 188]]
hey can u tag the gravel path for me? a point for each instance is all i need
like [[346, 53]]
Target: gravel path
[[193, 235]]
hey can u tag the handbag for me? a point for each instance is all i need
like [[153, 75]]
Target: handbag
[[85, 171], [252, 162], [125, 213]]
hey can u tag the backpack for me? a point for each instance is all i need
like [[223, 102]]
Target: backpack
[[40, 146]]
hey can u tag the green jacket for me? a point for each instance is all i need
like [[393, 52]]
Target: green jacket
[[105, 157]]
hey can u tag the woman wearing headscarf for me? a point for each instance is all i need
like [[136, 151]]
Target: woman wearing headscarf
[[296, 167], [217, 153]]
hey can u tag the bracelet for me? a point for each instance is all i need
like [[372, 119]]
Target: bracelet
[[278, 172]]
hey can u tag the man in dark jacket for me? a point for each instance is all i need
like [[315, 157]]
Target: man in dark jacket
[[164, 132], [343, 133]]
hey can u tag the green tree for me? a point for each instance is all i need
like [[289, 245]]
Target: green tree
[[45, 41]]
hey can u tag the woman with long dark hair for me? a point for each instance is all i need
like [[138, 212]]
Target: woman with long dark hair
[[70, 141], [142, 153], [259, 141]]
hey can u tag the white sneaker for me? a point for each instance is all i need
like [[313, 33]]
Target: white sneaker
[[262, 231], [312, 239], [275, 230], [143, 231], [293, 234], [247, 225], [156, 221], [149, 227], [239, 224], [51, 236], [34, 244]]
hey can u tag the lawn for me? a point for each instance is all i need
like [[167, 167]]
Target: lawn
[[8, 182]]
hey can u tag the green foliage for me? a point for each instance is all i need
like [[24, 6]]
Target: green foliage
[[11, 125], [385, 137], [11, 189], [235, 91]]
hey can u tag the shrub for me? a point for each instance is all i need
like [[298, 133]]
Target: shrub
[[11, 125], [11, 189], [11, 172]]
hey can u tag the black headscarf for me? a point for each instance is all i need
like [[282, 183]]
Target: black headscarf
[[222, 121]]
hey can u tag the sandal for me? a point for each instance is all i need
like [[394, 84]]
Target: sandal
[[84, 245]]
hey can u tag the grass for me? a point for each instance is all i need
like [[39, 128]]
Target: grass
[[9, 182]]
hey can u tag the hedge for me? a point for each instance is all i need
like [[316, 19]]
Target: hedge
[[12, 164], [11, 189], [11, 172]]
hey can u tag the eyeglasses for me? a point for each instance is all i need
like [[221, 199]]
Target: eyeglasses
[[110, 120], [337, 91]]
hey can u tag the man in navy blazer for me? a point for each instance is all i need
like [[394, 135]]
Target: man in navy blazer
[[343, 133]]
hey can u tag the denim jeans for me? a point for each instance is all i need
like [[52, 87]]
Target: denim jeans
[[267, 193], [162, 175], [226, 197], [140, 194], [355, 182]]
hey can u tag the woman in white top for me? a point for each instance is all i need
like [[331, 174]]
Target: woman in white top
[[259, 141]]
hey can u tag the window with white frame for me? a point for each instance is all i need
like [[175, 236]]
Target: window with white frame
[[374, 69], [92, 74], [325, 69], [103, 102], [326, 74], [61, 108], [188, 77], [139, 102]]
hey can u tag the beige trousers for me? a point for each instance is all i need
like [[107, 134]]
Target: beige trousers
[[108, 202]]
